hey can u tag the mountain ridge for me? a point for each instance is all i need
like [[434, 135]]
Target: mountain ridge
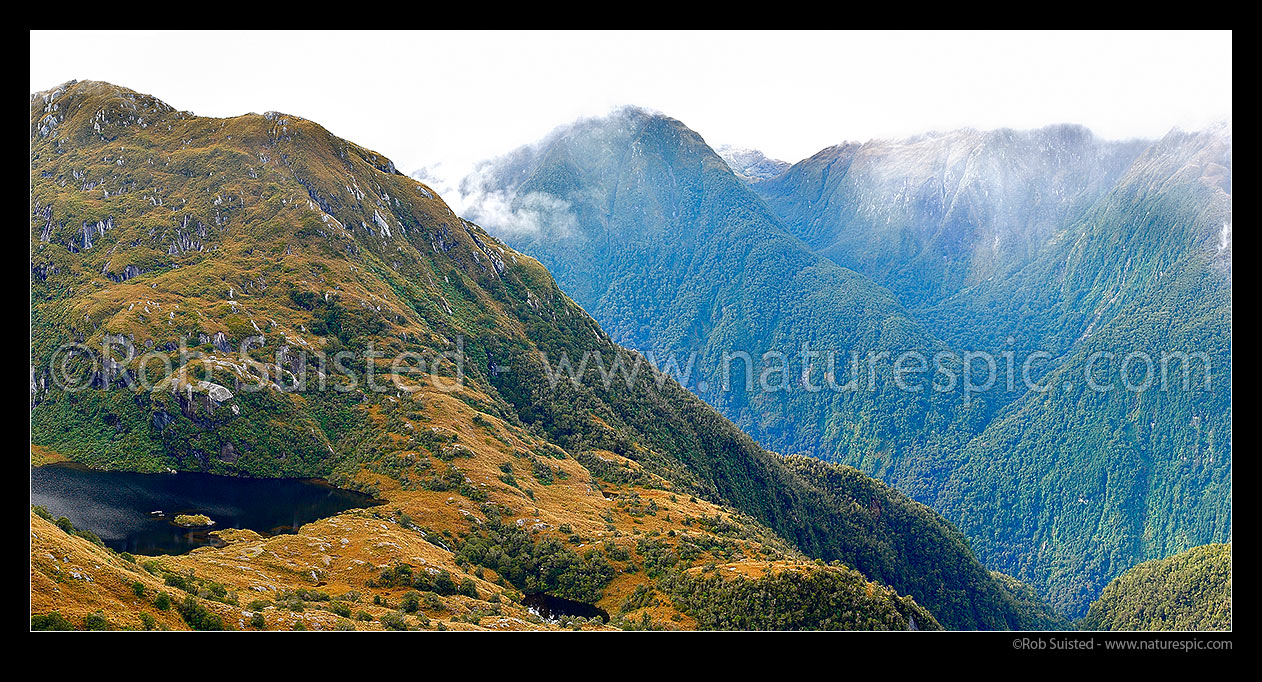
[[642, 217], [1190, 591], [185, 236]]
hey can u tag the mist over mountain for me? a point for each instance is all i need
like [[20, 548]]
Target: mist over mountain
[[1050, 246], [635, 330], [276, 269], [677, 257], [1140, 287], [932, 215], [751, 164]]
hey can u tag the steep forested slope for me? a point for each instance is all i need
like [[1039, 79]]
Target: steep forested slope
[[1072, 253], [1083, 482], [248, 252], [651, 232], [1049, 247], [1188, 591]]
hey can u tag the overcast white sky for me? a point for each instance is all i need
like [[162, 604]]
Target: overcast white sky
[[453, 98]]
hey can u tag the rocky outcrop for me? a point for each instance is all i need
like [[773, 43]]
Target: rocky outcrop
[[750, 164]]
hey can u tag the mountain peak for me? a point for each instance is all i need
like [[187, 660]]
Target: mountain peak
[[168, 231], [751, 164]]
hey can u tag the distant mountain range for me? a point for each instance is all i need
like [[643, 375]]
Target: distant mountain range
[[751, 164], [664, 382], [1050, 250]]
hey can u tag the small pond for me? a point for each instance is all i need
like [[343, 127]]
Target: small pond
[[135, 512], [552, 608]]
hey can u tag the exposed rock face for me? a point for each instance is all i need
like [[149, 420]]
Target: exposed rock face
[[128, 272], [750, 164]]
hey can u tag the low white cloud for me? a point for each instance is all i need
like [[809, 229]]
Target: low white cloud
[[502, 212], [536, 213]]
